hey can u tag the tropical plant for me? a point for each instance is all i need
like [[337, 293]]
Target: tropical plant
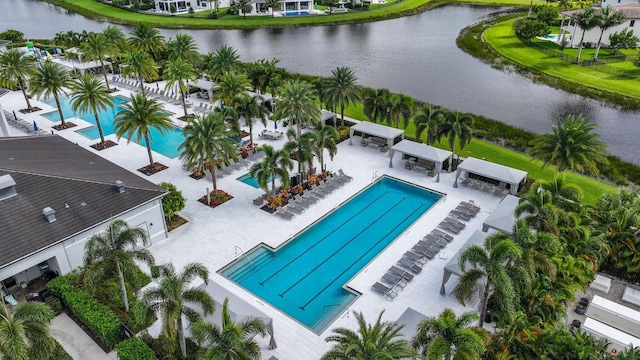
[[177, 73], [565, 195], [586, 19], [376, 103], [272, 5], [229, 85], [572, 145], [136, 119], [297, 106], [225, 59], [116, 38], [607, 18], [97, 48], [455, 127], [623, 39], [425, 121], [15, 70], [378, 341], [25, 332], [528, 29], [139, 64], [205, 141], [171, 296], [148, 39], [276, 163], [342, 89], [301, 149], [113, 252], [538, 210], [89, 93], [401, 108], [230, 341], [324, 138], [538, 249], [51, 80], [449, 337], [173, 202], [251, 108], [245, 7], [185, 48], [492, 269]]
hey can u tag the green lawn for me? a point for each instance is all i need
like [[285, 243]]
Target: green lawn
[[501, 37]]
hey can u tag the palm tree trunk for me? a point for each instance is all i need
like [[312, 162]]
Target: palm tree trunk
[[146, 140], [95, 113], [580, 47], [104, 72], [483, 305], [341, 115], [595, 57], [184, 103], [273, 183], [24, 92], [250, 123], [123, 287], [183, 344], [214, 183], [141, 83], [55, 96]]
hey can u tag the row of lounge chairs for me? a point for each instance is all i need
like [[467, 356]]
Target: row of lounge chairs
[[157, 93], [499, 190], [300, 204], [240, 164], [464, 211]]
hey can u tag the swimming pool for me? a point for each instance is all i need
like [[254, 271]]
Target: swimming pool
[[305, 278], [251, 181], [166, 144], [295, 13]]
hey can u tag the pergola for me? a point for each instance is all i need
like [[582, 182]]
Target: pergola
[[453, 268], [511, 176], [392, 135], [421, 151], [503, 218], [410, 319], [203, 84], [328, 115], [81, 67]]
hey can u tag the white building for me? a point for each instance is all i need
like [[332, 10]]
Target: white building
[[295, 7], [182, 6]]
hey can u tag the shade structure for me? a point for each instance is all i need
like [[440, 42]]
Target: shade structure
[[203, 84], [328, 116], [421, 151], [239, 309], [410, 319], [503, 218], [392, 135], [453, 268], [511, 176]]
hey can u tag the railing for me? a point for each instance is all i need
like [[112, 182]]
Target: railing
[[242, 253]]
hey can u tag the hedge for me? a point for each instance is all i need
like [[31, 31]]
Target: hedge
[[134, 349], [96, 316]]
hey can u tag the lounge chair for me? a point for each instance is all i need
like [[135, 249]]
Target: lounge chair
[[411, 265], [459, 224], [442, 234], [457, 214], [397, 271], [449, 227], [415, 257], [309, 197], [8, 298], [424, 251], [295, 208], [470, 206], [284, 213], [467, 211], [394, 280], [385, 290], [435, 240], [299, 202], [342, 175]]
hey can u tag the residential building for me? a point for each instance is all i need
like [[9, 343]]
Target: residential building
[[630, 9]]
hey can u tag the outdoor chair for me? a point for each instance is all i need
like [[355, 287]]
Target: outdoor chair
[[436, 240], [415, 257], [284, 213], [460, 215], [448, 227], [467, 211], [431, 244], [299, 203], [442, 234], [295, 208], [8, 298], [459, 224], [470, 206], [394, 280], [403, 274], [411, 265], [424, 251], [307, 196], [342, 175], [385, 290]]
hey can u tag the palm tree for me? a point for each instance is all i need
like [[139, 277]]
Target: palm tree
[[229, 85], [272, 4], [230, 341], [376, 103], [97, 48], [586, 20], [425, 121], [25, 332], [172, 295], [324, 137], [378, 341], [184, 47], [565, 195], [250, 108], [449, 337], [401, 107], [89, 93], [454, 126], [114, 251], [301, 148], [607, 18], [15, 70], [136, 119], [139, 64], [538, 249], [225, 59], [177, 73], [245, 7], [207, 140], [51, 79], [148, 39], [540, 213], [342, 89], [572, 145], [296, 104], [116, 38], [276, 163], [490, 268]]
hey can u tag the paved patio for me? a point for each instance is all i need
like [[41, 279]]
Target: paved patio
[[212, 235]]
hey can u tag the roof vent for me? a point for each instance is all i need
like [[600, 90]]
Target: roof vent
[[7, 187], [49, 213], [120, 186]]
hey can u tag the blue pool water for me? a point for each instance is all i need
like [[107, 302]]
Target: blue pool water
[[305, 278], [296, 13], [166, 144], [251, 181]]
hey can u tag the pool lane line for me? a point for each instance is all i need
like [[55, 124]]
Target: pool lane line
[[360, 258], [323, 238]]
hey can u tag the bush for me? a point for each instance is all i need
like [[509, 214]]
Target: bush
[[97, 317], [134, 349], [173, 201]]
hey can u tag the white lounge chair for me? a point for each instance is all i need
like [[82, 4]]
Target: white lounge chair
[[284, 213]]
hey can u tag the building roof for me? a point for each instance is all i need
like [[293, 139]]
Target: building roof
[[422, 151], [373, 129], [630, 11], [77, 184], [503, 218]]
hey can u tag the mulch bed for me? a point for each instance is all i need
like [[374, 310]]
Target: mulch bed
[[27, 111], [107, 144], [196, 176], [150, 170], [175, 222], [220, 198], [112, 90], [187, 118], [67, 125], [87, 331], [244, 134], [268, 209]]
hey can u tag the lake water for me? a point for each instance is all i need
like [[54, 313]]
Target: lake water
[[415, 55]]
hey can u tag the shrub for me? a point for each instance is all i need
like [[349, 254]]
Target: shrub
[[134, 349], [173, 201]]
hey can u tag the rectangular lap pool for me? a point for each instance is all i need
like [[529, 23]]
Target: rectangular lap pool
[[305, 278]]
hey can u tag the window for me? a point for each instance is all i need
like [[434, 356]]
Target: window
[[304, 5], [632, 23]]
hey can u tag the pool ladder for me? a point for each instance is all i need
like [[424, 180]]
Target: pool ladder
[[242, 253], [375, 175]]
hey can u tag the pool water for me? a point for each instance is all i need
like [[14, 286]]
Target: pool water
[[251, 181], [305, 278], [166, 144], [296, 13]]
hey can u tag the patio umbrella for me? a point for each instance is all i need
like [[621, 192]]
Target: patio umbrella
[[157, 86], [35, 126], [275, 124], [14, 116]]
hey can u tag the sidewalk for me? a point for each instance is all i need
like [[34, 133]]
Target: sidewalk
[[78, 344]]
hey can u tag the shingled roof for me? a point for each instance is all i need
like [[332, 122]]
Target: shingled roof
[[79, 185]]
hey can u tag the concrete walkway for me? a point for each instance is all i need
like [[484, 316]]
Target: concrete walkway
[[75, 341]]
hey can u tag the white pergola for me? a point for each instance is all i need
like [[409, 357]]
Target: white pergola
[[421, 151], [203, 84], [503, 218], [511, 176], [410, 319], [392, 135], [453, 267], [328, 115]]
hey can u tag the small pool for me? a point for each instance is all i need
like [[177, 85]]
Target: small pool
[[295, 13], [305, 278], [251, 181], [166, 144]]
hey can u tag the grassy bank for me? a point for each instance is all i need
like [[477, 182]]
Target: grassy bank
[[97, 10]]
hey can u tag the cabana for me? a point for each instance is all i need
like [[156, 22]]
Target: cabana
[[328, 116], [83, 67], [364, 128], [422, 151], [410, 319], [203, 84], [513, 177], [453, 268], [503, 218], [266, 98]]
